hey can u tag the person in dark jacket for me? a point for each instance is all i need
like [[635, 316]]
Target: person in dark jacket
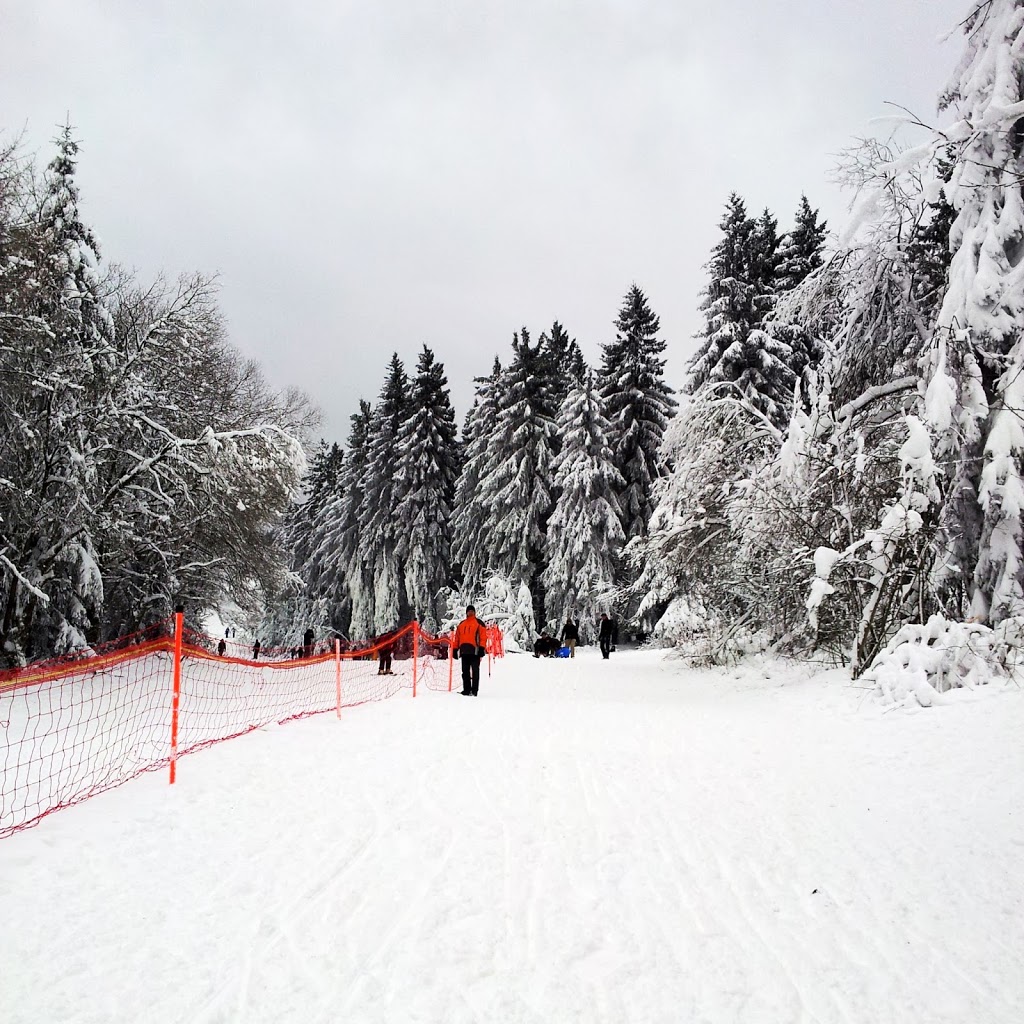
[[307, 643], [385, 653], [256, 651], [545, 646], [571, 635], [607, 635], [470, 641]]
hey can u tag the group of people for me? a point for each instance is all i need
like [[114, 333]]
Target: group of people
[[548, 646], [469, 643], [305, 651]]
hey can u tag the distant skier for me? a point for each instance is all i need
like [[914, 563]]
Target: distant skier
[[470, 640], [256, 651], [307, 643], [571, 635], [607, 635], [222, 647]]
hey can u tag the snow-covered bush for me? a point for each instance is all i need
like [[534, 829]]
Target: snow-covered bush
[[701, 637], [922, 662]]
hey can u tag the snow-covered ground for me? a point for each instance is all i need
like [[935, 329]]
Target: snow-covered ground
[[586, 841]]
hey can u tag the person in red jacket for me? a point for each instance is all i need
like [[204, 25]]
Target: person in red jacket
[[470, 639]]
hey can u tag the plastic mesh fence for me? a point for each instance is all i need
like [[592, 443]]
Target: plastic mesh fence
[[71, 728]]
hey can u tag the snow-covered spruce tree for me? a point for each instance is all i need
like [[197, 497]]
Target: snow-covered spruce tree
[[425, 485], [565, 364], [729, 299], [299, 602], [470, 544], [344, 586], [638, 404], [975, 395], [928, 254], [57, 352], [800, 254], [737, 357], [515, 490], [764, 264], [379, 534], [800, 250], [585, 531]]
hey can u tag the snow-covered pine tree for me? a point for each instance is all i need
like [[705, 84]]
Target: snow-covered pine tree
[[344, 586], [378, 541], [585, 531], [515, 491], [298, 604], [425, 485], [800, 251], [638, 404], [729, 299], [764, 264], [55, 387], [470, 543], [975, 395], [737, 358], [799, 255], [564, 364], [928, 254]]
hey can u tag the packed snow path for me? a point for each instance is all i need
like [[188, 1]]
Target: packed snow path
[[586, 841]]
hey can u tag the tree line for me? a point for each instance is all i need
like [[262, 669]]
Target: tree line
[[555, 475]]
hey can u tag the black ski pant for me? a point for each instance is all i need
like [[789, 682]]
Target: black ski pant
[[470, 668], [606, 646]]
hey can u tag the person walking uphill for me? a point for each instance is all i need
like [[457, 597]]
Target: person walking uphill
[[469, 641]]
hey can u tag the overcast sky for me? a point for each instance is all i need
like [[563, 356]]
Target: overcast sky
[[369, 177]]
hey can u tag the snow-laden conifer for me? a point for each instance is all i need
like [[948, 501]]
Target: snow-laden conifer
[[470, 540], [425, 483], [974, 393], [344, 583], [515, 490], [584, 532], [379, 536], [638, 404], [737, 358], [562, 362], [800, 250]]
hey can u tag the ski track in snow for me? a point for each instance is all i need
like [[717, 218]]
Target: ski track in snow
[[586, 841]]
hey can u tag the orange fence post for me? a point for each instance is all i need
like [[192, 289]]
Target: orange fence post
[[179, 625], [337, 671], [451, 659], [415, 651]]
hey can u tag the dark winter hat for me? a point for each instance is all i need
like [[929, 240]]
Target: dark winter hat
[[470, 608]]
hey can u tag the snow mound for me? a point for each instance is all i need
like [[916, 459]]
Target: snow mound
[[924, 662]]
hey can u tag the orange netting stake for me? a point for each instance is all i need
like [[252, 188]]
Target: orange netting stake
[[415, 652], [451, 660], [179, 622], [337, 671]]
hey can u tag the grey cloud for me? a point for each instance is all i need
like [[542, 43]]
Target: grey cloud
[[369, 177]]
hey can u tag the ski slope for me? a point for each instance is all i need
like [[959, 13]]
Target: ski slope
[[585, 841]]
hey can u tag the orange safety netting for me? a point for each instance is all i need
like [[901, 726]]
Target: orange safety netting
[[73, 727]]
